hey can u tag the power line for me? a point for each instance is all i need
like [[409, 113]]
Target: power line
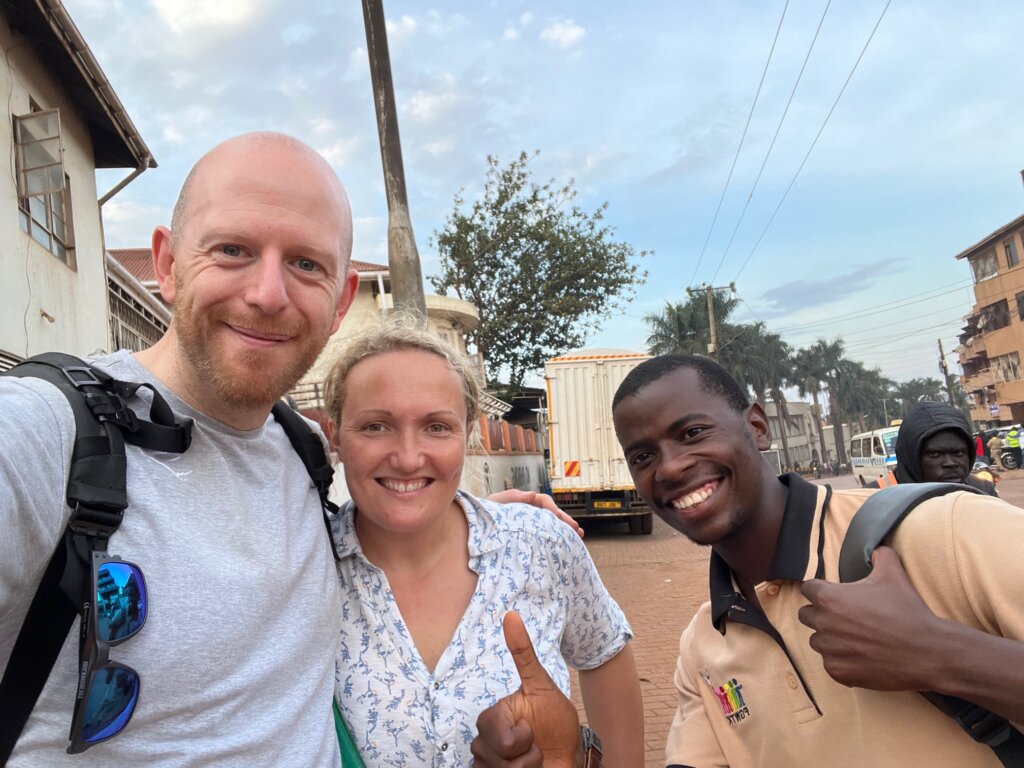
[[897, 337], [813, 143], [771, 146], [902, 320], [740, 147], [875, 310]]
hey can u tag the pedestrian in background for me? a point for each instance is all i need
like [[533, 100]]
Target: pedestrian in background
[[995, 448]]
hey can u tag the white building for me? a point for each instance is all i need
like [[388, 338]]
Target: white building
[[64, 122], [802, 432]]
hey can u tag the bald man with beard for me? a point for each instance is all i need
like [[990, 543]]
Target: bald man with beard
[[237, 657]]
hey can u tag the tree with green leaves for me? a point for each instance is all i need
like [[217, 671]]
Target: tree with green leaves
[[862, 392], [809, 379], [768, 368], [542, 272], [683, 327], [910, 393], [829, 355]]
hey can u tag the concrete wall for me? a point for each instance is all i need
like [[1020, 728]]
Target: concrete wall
[[33, 280]]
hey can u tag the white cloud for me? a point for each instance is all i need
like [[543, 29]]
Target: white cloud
[[129, 224], [438, 148], [525, 19], [511, 33], [172, 135], [322, 124], [297, 33], [184, 16], [402, 29], [343, 151], [427, 106], [563, 34]]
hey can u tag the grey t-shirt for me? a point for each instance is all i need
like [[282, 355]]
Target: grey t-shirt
[[238, 652]]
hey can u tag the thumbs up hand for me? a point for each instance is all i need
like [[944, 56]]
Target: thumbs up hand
[[535, 726], [875, 633]]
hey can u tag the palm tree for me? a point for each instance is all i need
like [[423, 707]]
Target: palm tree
[[910, 393], [830, 353], [809, 376], [683, 327], [862, 391], [767, 369]]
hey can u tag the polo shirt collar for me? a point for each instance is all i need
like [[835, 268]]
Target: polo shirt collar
[[798, 551]]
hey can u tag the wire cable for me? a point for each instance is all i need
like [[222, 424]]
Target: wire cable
[[870, 311], [771, 146], [740, 147], [814, 143]]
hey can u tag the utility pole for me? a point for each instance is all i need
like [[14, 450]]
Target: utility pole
[[403, 258], [709, 293], [945, 372], [713, 346]]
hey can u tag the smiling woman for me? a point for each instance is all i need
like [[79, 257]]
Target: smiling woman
[[428, 571]]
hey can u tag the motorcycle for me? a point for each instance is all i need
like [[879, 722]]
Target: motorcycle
[[1008, 458]]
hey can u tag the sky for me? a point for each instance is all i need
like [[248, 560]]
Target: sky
[[836, 211]]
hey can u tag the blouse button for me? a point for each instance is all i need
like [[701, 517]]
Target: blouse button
[[791, 681], [444, 747], [773, 589], [436, 686]]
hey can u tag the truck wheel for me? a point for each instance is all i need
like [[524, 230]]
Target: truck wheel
[[635, 525], [648, 524]]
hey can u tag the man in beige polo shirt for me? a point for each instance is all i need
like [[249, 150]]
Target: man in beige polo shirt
[[783, 667]]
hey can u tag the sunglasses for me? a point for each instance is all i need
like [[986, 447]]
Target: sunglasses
[[107, 691]]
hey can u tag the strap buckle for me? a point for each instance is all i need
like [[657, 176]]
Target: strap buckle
[[984, 726], [93, 521], [81, 376], [111, 407]]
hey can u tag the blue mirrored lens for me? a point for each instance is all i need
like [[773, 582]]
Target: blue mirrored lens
[[112, 697], [120, 601]]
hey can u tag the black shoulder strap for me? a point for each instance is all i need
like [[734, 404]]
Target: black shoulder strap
[[877, 518], [310, 447], [97, 495]]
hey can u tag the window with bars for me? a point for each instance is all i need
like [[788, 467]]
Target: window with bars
[[44, 189]]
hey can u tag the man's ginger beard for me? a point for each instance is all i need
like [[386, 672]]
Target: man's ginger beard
[[250, 377]]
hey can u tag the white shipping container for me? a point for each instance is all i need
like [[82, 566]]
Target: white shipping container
[[585, 454]]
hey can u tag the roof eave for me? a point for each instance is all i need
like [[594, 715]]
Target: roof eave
[[989, 239], [116, 141]]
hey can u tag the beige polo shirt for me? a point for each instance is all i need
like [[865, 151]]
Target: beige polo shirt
[[752, 692]]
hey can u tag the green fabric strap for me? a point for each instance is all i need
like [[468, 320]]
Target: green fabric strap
[[349, 754]]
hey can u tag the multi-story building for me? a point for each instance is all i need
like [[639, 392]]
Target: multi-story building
[[992, 339], [64, 121], [802, 432]]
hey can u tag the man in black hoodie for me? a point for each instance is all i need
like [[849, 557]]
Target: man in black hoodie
[[935, 445]]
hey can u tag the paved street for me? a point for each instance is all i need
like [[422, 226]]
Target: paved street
[[660, 581]]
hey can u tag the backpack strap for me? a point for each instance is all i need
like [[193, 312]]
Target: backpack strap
[[310, 447], [97, 495], [873, 523], [878, 517]]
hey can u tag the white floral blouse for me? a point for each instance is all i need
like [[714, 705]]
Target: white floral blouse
[[526, 559]]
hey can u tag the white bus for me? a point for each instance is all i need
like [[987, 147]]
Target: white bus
[[873, 454]]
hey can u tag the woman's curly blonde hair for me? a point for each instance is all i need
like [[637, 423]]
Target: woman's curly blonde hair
[[399, 331]]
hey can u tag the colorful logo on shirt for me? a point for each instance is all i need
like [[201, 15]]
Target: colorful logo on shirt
[[733, 706]]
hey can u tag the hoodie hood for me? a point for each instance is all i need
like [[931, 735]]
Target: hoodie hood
[[923, 421]]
